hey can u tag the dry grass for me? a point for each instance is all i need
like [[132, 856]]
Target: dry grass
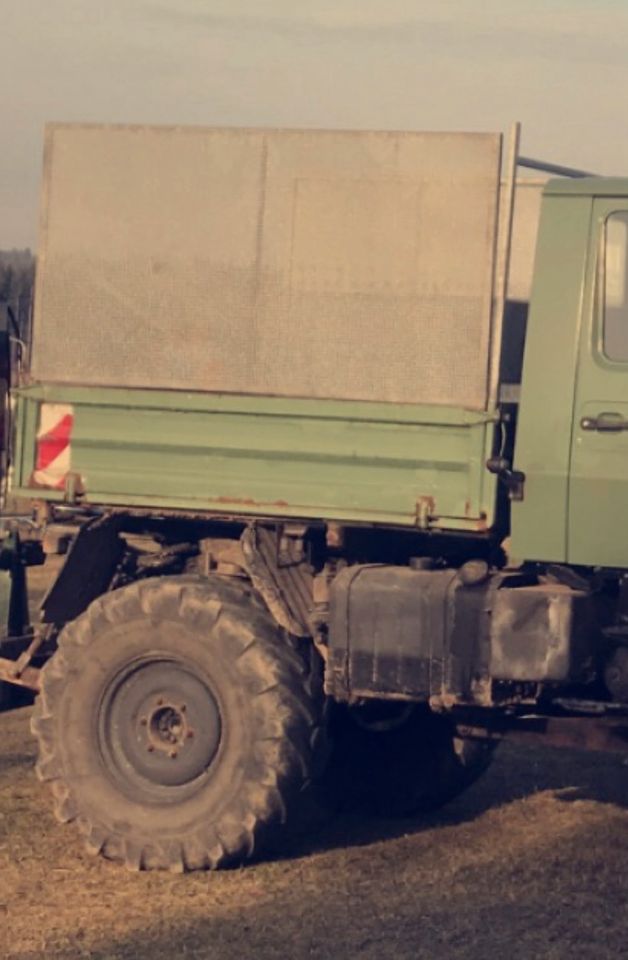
[[531, 863]]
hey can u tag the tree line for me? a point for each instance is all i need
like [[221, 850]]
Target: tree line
[[17, 274]]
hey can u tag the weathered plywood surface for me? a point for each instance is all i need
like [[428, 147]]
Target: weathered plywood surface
[[349, 265]]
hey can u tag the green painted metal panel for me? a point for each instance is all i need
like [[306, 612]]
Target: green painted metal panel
[[344, 460], [588, 187], [346, 264], [598, 490], [539, 522]]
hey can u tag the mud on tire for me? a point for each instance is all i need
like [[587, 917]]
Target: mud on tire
[[178, 726]]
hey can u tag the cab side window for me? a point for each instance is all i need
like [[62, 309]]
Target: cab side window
[[615, 287]]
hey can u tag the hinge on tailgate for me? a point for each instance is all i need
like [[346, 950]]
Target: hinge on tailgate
[[425, 512]]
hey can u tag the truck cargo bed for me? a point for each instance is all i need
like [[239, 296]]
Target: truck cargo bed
[[336, 460]]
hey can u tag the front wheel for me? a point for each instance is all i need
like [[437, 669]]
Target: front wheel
[[177, 725]]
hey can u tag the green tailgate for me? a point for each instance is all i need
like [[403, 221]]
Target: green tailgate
[[410, 465]]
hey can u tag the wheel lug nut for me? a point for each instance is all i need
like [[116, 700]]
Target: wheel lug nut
[[183, 707], [144, 721], [160, 702], [173, 754], [150, 748], [190, 734]]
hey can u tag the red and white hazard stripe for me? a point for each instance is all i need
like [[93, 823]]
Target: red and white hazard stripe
[[54, 445]]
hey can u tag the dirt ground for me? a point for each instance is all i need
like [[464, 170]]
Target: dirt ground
[[531, 863]]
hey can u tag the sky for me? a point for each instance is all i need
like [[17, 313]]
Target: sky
[[558, 66]]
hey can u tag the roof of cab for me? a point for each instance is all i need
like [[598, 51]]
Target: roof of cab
[[588, 186]]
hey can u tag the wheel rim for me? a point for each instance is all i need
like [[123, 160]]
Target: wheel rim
[[160, 729]]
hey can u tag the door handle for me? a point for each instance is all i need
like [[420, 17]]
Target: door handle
[[606, 422]]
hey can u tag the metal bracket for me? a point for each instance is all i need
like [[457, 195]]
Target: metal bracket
[[425, 512], [513, 480], [74, 487]]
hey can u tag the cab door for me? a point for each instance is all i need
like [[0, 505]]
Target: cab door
[[598, 482]]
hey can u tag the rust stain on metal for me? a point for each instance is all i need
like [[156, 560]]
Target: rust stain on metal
[[425, 511], [481, 524], [248, 502], [335, 535]]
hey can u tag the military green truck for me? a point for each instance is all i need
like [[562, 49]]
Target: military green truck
[[321, 526]]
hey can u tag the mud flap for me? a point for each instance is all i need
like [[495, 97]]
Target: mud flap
[[87, 572]]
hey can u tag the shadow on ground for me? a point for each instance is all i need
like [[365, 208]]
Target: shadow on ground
[[531, 861], [531, 882], [517, 773]]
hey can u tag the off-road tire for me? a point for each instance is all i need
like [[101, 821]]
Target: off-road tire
[[268, 693], [408, 770]]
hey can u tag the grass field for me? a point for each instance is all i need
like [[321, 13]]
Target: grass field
[[531, 863]]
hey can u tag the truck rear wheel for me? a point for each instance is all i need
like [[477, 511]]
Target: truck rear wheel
[[177, 725], [399, 760]]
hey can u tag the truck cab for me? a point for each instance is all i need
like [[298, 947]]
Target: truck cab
[[571, 441]]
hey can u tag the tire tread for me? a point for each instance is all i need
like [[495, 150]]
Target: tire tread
[[291, 705]]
